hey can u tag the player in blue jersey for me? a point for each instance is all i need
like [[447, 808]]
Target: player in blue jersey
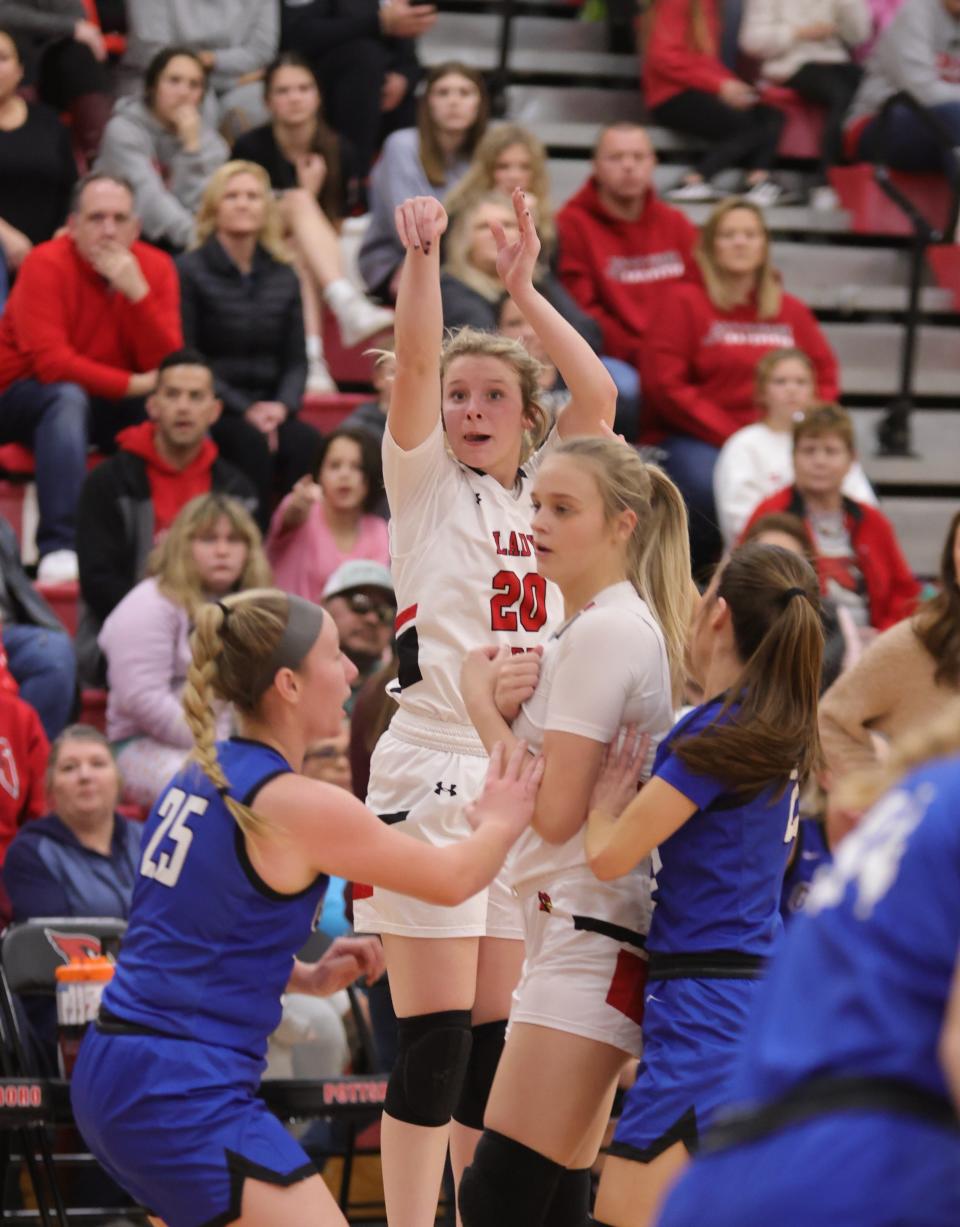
[[809, 854], [722, 810], [234, 864], [842, 1110]]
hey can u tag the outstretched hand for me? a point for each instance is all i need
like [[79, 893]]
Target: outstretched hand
[[420, 220], [509, 791], [616, 785], [346, 960], [517, 261]]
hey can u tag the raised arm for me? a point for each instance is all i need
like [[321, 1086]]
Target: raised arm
[[418, 324], [593, 394]]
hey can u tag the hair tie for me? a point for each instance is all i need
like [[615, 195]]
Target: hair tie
[[223, 790], [787, 597], [225, 610]]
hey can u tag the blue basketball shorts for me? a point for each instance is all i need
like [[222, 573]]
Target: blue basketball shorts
[[178, 1125], [691, 1034]]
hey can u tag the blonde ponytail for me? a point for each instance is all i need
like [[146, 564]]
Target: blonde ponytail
[[663, 578], [658, 552], [231, 668]]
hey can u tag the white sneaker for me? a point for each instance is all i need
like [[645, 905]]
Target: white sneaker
[[699, 192], [824, 199], [319, 380], [359, 319], [767, 194], [58, 567]]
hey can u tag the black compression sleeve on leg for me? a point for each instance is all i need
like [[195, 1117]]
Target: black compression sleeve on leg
[[484, 1058], [432, 1055], [507, 1184], [570, 1206]]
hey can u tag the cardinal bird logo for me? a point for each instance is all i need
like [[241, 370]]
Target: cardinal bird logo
[[74, 946], [546, 903]]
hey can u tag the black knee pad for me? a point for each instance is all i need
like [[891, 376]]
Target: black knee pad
[[432, 1055], [507, 1184], [571, 1202], [484, 1059]]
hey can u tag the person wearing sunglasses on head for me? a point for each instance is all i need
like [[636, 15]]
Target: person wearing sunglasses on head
[[359, 597]]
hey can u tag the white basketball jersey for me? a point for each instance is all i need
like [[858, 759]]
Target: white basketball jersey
[[463, 568], [605, 667]]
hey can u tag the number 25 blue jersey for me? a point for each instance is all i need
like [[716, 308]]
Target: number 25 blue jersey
[[210, 947]]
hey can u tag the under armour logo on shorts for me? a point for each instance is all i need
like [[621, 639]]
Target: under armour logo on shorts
[[477, 497], [441, 787]]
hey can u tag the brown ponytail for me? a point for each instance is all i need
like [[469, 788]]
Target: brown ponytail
[[774, 602], [231, 664]]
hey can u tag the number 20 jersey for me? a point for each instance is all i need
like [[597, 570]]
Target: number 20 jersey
[[463, 567]]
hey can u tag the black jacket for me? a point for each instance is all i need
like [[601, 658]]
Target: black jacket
[[464, 306], [29, 606], [249, 328], [320, 26], [115, 531]]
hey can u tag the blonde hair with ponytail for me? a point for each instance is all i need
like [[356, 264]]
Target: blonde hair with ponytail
[[658, 552], [231, 661]]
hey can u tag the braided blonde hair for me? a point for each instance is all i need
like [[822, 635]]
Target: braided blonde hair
[[233, 667]]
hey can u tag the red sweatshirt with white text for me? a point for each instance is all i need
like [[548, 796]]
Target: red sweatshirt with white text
[[699, 363], [617, 270]]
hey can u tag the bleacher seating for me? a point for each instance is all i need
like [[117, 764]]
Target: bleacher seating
[[850, 264]]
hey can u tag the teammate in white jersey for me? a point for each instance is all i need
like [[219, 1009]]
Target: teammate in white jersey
[[611, 532], [457, 464]]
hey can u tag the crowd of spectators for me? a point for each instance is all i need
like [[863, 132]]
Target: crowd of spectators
[[172, 209]]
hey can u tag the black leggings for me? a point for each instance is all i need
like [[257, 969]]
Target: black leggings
[[831, 86], [273, 473], [737, 138], [351, 76]]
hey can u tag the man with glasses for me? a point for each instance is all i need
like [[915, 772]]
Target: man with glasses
[[359, 597]]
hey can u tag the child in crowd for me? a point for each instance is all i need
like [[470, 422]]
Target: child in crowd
[[327, 517], [859, 560], [757, 461]]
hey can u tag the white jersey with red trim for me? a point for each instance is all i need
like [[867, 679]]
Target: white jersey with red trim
[[605, 667], [463, 567]]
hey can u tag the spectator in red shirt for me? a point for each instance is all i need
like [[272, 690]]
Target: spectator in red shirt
[[858, 557], [91, 316], [689, 89], [23, 761], [699, 363], [619, 247]]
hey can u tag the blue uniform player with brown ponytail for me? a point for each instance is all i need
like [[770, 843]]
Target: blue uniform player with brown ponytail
[[722, 810], [234, 864], [841, 1103]]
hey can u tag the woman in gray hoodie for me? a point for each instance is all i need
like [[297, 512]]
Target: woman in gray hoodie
[[919, 53], [234, 39], [163, 146]]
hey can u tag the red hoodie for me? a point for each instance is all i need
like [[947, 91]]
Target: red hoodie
[[892, 591], [700, 364], [670, 62], [170, 488], [617, 270], [63, 322]]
